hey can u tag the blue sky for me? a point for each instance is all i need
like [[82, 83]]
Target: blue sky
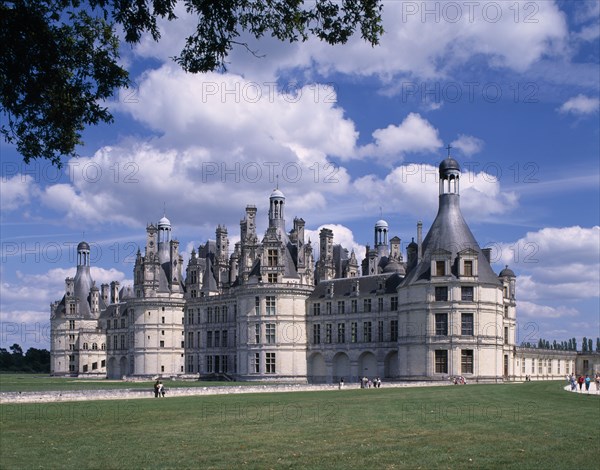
[[354, 133]]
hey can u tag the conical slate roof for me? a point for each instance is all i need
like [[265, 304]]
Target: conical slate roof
[[451, 233]]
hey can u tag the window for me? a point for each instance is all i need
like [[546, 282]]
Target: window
[[466, 324], [533, 366], [103, 363], [270, 301], [441, 361], [380, 331], [272, 258], [71, 324], [193, 277], [257, 333], [163, 319], [209, 341], [317, 309], [394, 330], [217, 339], [540, 368], [328, 333], [441, 294], [341, 333], [224, 338], [94, 365], [341, 308], [85, 346], [354, 305], [367, 332], [198, 339], [209, 314], [224, 312], [506, 335], [468, 268], [270, 363], [272, 278], [354, 332], [72, 309], [466, 293], [257, 305], [197, 317], [209, 364], [316, 333], [328, 308], [256, 363], [190, 339], [217, 314], [103, 346], [115, 341], [466, 361], [85, 368], [523, 366], [122, 322], [380, 304], [95, 345], [441, 324], [270, 333], [367, 305], [115, 325], [122, 342], [506, 311], [162, 344], [394, 304], [440, 268]]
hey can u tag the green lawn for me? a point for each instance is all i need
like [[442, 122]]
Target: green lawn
[[529, 425], [41, 383]]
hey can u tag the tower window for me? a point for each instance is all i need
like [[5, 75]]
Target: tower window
[[440, 268], [441, 294], [441, 324], [466, 293], [272, 258], [441, 361], [468, 268]]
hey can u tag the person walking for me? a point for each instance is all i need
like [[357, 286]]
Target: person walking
[[587, 383], [156, 384], [573, 383], [580, 381]]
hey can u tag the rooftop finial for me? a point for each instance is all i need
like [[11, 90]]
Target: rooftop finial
[[164, 209], [276, 181], [380, 212], [448, 148]]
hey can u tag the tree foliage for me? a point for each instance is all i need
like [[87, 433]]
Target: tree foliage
[[60, 58], [34, 360]]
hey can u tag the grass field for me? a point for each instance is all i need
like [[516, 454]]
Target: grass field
[[530, 425], [42, 383]]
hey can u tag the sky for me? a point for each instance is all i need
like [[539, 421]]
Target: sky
[[350, 134]]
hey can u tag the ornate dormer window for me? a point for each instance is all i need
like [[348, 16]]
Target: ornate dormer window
[[440, 263], [468, 263]]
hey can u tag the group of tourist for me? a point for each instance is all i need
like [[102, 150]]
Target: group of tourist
[[366, 382], [159, 389], [581, 381]]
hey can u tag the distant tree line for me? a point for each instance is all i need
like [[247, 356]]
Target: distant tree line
[[587, 345], [34, 360]]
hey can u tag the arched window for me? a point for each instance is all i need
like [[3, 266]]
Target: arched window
[[95, 346], [103, 346], [85, 346]]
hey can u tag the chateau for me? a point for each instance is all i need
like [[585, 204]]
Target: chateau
[[265, 310]]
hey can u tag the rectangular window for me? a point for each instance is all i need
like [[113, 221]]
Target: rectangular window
[[257, 305], [209, 341], [190, 339], [441, 361], [466, 324], [468, 268], [380, 304], [367, 305], [523, 366], [328, 308], [506, 335], [317, 309], [72, 310], [224, 338], [122, 341], [71, 324], [328, 333], [341, 308], [162, 344], [341, 333], [466, 361], [256, 363], [217, 339], [354, 305], [354, 332], [272, 258], [272, 278], [394, 304], [466, 293], [85, 368], [367, 332], [163, 319], [316, 333], [270, 333], [198, 339], [380, 331], [209, 364], [394, 330], [270, 305], [440, 268], [257, 333], [122, 322], [209, 315], [558, 367], [103, 363], [441, 324], [270, 363], [533, 366], [441, 294], [94, 365], [115, 341]]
